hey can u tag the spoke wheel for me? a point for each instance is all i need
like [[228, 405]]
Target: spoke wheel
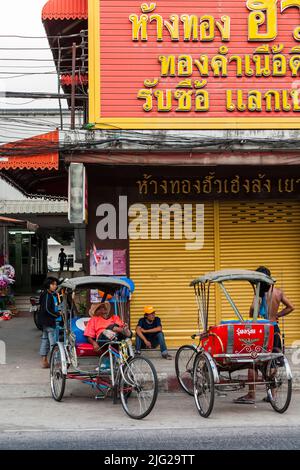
[[57, 378], [138, 387], [36, 320], [279, 385], [184, 365], [204, 386]]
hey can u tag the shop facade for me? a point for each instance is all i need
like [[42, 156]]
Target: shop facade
[[195, 105], [248, 216]]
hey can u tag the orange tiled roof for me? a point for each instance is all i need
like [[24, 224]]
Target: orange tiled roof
[[65, 10], [38, 153]]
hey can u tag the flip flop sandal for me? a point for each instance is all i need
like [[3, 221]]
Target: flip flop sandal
[[266, 399], [244, 401]]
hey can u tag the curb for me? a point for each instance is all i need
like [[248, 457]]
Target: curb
[[166, 384]]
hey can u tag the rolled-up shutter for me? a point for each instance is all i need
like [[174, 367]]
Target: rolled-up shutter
[[262, 233], [237, 235], [162, 271]]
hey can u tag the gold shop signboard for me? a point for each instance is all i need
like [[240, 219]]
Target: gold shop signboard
[[212, 184], [218, 64]]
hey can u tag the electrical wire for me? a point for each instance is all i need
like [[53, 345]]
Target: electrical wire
[[37, 48], [66, 71], [11, 77], [26, 67], [37, 60], [44, 37], [23, 129], [40, 145], [28, 122], [19, 104]]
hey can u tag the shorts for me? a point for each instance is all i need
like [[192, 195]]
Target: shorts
[[277, 345]]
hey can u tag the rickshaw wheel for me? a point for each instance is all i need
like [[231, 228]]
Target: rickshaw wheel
[[279, 385], [204, 385], [184, 365], [57, 378], [36, 320], [138, 387]]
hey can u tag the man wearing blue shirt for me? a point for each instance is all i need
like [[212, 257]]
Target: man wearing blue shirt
[[149, 333]]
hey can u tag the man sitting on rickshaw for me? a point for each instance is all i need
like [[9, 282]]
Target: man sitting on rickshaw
[[104, 326], [270, 299]]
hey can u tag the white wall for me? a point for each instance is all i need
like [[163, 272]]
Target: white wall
[[9, 193], [53, 252]]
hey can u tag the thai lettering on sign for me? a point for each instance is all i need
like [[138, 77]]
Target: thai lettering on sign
[[193, 73], [213, 184], [194, 64]]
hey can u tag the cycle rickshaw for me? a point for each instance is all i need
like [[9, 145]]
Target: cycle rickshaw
[[119, 374], [232, 346]]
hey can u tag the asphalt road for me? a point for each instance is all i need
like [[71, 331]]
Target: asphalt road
[[264, 438], [174, 424]]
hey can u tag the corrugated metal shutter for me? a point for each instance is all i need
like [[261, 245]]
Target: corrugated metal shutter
[[162, 271], [237, 235], [262, 233]]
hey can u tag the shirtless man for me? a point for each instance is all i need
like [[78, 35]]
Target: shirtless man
[[271, 298]]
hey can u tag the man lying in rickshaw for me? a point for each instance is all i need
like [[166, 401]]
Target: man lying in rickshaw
[[270, 299], [104, 326]]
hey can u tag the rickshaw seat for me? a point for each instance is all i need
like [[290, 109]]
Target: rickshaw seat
[[83, 347], [78, 325], [85, 350]]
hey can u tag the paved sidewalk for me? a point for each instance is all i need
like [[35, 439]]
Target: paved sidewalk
[[22, 376]]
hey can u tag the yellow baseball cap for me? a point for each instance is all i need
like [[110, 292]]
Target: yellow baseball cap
[[149, 309]]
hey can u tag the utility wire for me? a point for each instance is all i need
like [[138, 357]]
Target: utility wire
[[43, 37], [36, 48], [19, 104], [38, 60], [10, 77]]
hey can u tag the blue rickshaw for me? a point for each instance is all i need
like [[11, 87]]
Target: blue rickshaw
[[119, 374]]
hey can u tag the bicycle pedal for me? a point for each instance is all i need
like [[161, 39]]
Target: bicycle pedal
[[100, 397]]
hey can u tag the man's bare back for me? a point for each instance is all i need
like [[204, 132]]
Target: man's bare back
[[275, 297]]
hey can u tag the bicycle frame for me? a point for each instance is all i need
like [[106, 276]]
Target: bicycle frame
[[118, 350]]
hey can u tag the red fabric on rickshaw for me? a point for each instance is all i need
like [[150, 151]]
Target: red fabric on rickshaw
[[85, 350], [239, 338]]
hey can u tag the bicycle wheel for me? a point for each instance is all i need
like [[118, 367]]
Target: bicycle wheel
[[279, 384], [36, 320], [184, 364], [138, 387], [57, 378], [204, 386]]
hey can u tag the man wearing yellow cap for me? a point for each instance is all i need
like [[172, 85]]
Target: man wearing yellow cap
[[149, 333]]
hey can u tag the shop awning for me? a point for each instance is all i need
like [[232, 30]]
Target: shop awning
[[65, 10], [22, 223], [33, 206], [38, 153]]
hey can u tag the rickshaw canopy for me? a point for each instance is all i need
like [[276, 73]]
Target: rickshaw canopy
[[108, 284], [254, 277]]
